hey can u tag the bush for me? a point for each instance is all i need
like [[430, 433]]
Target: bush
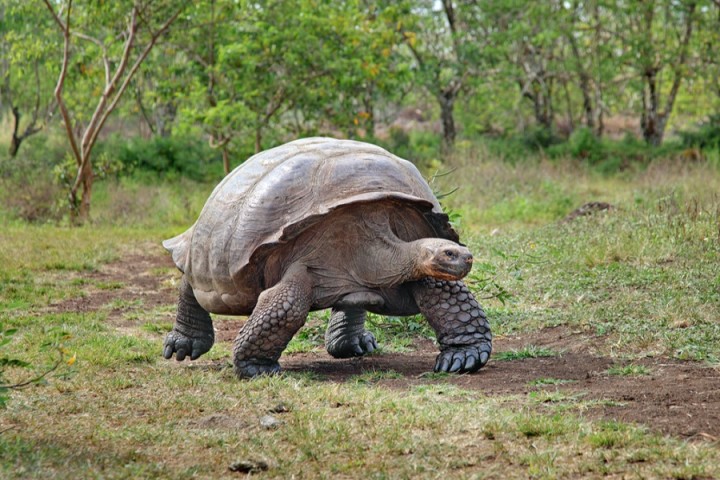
[[538, 137], [38, 200], [611, 156], [706, 136], [419, 146], [189, 157]]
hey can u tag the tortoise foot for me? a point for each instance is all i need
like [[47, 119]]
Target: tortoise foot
[[462, 359], [254, 367], [352, 345], [183, 345]]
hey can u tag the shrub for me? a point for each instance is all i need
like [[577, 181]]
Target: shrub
[[189, 157], [38, 200], [706, 136], [539, 137]]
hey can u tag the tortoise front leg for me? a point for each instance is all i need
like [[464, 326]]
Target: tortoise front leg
[[459, 323], [193, 332], [346, 335], [278, 315]]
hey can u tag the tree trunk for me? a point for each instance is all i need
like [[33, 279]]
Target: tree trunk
[[598, 116], [80, 209], [87, 183], [226, 160], [652, 122], [15, 142], [258, 139], [584, 78], [543, 114], [164, 117], [15, 139], [447, 107]]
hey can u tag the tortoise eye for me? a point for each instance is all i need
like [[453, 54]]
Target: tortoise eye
[[450, 253]]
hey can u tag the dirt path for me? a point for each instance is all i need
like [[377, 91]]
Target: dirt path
[[676, 398]]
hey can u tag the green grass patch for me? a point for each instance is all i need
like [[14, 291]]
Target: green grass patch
[[530, 351], [156, 328], [110, 285], [541, 382], [374, 376], [631, 370]]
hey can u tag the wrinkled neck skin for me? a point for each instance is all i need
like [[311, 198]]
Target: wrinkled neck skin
[[392, 261]]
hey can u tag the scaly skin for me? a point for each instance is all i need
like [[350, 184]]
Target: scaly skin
[[193, 332], [346, 336], [459, 323], [278, 315]]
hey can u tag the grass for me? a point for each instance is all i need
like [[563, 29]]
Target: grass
[[629, 370], [541, 382], [641, 281], [530, 351]]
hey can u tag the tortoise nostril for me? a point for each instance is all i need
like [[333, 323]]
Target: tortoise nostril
[[469, 259]]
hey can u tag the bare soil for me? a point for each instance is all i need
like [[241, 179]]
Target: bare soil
[[675, 398]]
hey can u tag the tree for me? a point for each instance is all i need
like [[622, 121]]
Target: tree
[[25, 70], [447, 55], [116, 30], [591, 56], [658, 40], [258, 74]]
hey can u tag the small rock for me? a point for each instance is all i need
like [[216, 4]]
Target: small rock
[[248, 466], [279, 408], [269, 422], [589, 208]]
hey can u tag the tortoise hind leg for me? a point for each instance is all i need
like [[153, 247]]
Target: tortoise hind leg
[[193, 332], [459, 322], [346, 335], [278, 315]]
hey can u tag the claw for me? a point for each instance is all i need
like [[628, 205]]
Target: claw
[[444, 364], [180, 355], [484, 356], [457, 363], [196, 352], [168, 352], [471, 363]]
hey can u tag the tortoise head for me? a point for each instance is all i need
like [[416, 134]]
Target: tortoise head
[[442, 259]]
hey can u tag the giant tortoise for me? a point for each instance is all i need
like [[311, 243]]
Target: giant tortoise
[[322, 223]]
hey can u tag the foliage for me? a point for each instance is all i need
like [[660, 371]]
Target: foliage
[[706, 136], [159, 156], [27, 68]]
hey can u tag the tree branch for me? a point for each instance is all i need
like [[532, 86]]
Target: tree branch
[[61, 79], [94, 125], [55, 15], [134, 69], [677, 69], [106, 60]]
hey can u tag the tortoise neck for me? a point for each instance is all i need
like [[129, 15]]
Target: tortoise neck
[[405, 259], [387, 261]]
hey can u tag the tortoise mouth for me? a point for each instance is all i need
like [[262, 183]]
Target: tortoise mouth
[[452, 270]]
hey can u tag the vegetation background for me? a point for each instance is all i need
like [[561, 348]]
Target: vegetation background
[[118, 118]]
